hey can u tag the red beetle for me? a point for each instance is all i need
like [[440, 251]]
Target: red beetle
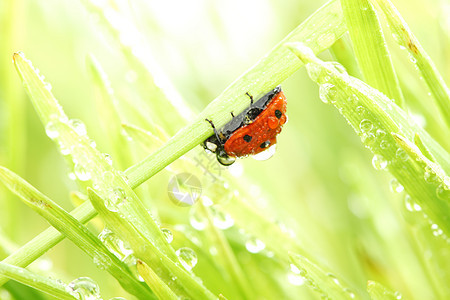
[[252, 131]]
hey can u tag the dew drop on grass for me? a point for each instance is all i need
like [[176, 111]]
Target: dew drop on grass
[[51, 129], [116, 197], [411, 205], [102, 261], [379, 162], [368, 138], [196, 219], [78, 126], [333, 278], [396, 187], [108, 158], [295, 279], [443, 192], [327, 92], [85, 288], [167, 234], [64, 149], [352, 99], [401, 154], [366, 125], [221, 219], [114, 244], [429, 175], [253, 245], [81, 172], [380, 133], [188, 257], [360, 110]]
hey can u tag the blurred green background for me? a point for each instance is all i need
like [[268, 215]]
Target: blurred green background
[[320, 183]]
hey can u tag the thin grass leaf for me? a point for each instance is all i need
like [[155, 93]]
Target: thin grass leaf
[[319, 32], [327, 285], [379, 121], [73, 230], [47, 285], [379, 292], [182, 283], [430, 74], [109, 116], [225, 254], [370, 48], [161, 290], [46, 240]]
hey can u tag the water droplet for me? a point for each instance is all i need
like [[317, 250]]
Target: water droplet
[[85, 288], [353, 99], [429, 175], [72, 176], [396, 187], [92, 143], [333, 278], [360, 110], [384, 144], [436, 230], [350, 293], [114, 244], [196, 219], [116, 197], [366, 125], [108, 158], [336, 67], [368, 138], [254, 245], [64, 149], [131, 262], [167, 234], [379, 162], [443, 192], [78, 126], [317, 73], [81, 173], [221, 219], [327, 92], [51, 129], [380, 133], [188, 257], [102, 261], [401, 154], [266, 154], [295, 279], [413, 59], [411, 205]]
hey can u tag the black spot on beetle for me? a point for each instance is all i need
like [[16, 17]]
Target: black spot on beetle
[[265, 144], [278, 114], [247, 138]]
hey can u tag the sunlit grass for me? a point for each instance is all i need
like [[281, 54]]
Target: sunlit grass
[[128, 87]]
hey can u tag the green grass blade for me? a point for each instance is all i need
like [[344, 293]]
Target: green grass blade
[[379, 292], [405, 38], [161, 290], [73, 230], [380, 122], [46, 240], [167, 269], [109, 116], [319, 32], [42, 283], [370, 48], [327, 285], [225, 254]]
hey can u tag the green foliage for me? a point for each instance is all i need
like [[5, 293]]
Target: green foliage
[[315, 221]]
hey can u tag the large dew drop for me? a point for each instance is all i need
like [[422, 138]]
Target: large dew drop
[[254, 245], [188, 257], [266, 154], [379, 162], [78, 126], [85, 288], [81, 172], [327, 93], [51, 129]]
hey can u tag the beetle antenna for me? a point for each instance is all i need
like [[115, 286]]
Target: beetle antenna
[[251, 98]]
